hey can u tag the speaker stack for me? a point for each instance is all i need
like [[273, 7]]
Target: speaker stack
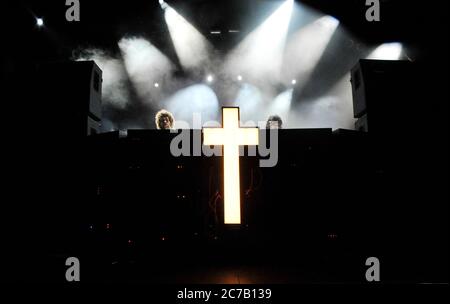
[[69, 98], [384, 95]]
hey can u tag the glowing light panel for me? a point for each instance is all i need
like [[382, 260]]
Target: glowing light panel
[[231, 136]]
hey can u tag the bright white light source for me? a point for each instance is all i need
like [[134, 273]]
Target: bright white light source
[[261, 52], [294, 81], [156, 85], [210, 78], [306, 47], [239, 78], [231, 136], [145, 66], [163, 4], [329, 22], [387, 51], [39, 22], [191, 47], [215, 32]]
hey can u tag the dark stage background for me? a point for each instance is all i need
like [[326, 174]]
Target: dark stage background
[[133, 213]]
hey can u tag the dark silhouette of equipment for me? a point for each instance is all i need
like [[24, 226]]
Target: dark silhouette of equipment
[[69, 97], [384, 94]]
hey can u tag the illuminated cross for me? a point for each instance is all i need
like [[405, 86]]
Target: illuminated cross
[[231, 136]]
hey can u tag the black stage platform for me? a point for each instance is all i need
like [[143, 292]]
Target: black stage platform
[[136, 214]]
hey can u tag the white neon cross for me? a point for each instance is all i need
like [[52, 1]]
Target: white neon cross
[[231, 136]]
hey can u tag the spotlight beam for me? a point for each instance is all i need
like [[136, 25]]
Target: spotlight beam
[[261, 52], [191, 47], [387, 51], [305, 49]]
